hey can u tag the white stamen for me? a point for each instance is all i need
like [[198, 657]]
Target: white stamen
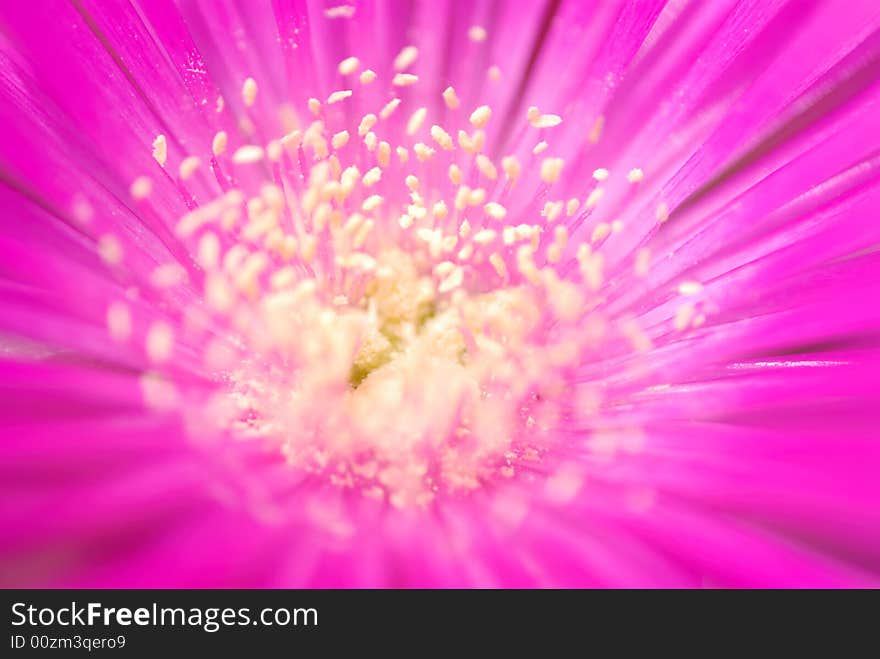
[[404, 79], [160, 342], [690, 288], [442, 138], [683, 316], [340, 139], [168, 275], [552, 210], [487, 167], [498, 264], [643, 259], [600, 232], [662, 213], [405, 58], [349, 65], [218, 144], [477, 33], [383, 154], [141, 188], [338, 96], [366, 124], [248, 154], [423, 151], [371, 203], [538, 120], [372, 177], [495, 210], [371, 141], [594, 198], [249, 92], [119, 322], [160, 150], [480, 117], [547, 121], [452, 281], [292, 140], [188, 167], [390, 107], [451, 99], [416, 120], [511, 167], [551, 169], [635, 175], [342, 11]]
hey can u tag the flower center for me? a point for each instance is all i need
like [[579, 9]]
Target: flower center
[[399, 387], [401, 339]]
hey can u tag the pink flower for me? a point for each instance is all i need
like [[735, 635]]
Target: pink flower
[[440, 294]]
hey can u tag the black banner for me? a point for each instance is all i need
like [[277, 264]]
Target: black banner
[[284, 622]]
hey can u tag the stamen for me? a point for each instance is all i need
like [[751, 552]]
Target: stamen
[[690, 288], [338, 96], [349, 65], [405, 58], [451, 99], [389, 108], [141, 188], [119, 322], [511, 167], [662, 213], [366, 124], [480, 117], [247, 154], [538, 120], [486, 167], [551, 168], [249, 92], [404, 79], [495, 210], [188, 167], [477, 33], [218, 144], [443, 139], [160, 342], [342, 11], [340, 139], [416, 120], [635, 175], [683, 316], [160, 150]]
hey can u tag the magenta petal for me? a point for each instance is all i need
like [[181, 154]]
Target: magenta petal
[[607, 317]]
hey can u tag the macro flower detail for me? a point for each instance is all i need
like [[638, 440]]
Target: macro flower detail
[[573, 293]]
